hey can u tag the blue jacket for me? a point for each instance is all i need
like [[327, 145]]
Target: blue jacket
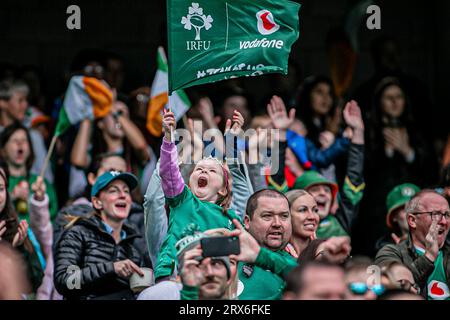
[[305, 150]]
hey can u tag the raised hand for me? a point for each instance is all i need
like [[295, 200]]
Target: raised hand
[[352, 115], [353, 118], [235, 125], [249, 246], [206, 110], [431, 241], [255, 144], [39, 189], [278, 114], [169, 125], [191, 274], [21, 234]]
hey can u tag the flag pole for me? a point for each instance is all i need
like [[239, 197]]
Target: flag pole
[[49, 154]]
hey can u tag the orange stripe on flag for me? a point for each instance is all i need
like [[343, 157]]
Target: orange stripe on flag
[[100, 95], [154, 119]]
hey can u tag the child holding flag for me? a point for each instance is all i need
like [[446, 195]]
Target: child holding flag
[[202, 205]]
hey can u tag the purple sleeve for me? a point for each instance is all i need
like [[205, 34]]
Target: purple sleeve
[[171, 180]]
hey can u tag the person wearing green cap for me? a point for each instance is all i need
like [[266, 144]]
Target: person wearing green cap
[[396, 214], [425, 252], [325, 191]]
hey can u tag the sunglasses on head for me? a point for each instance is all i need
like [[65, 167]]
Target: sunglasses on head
[[360, 288]]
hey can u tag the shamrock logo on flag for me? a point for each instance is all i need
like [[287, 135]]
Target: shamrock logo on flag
[[197, 19]]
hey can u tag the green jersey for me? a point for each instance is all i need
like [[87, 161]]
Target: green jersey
[[330, 227], [437, 281], [264, 279], [187, 215]]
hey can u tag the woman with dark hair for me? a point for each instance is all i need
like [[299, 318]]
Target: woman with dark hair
[[397, 153], [316, 108], [115, 133], [33, 242], [17, 150]]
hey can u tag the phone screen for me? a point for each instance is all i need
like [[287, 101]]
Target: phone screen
[[220, 246]]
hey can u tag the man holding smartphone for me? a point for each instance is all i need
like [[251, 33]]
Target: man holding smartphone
[[203, 276]]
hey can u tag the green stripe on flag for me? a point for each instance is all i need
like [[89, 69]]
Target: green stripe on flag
[[162, 60], [63, 122], [184, 98]]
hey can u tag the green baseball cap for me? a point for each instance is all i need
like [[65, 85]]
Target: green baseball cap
[[398, 197], [312, 178], [110, 176]]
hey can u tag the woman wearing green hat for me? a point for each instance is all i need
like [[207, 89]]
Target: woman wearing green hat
[[95, 255]]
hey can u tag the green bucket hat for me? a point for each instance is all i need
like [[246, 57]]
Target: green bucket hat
[[398, 197], [312, 178]]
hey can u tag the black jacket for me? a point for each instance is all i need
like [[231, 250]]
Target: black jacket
[[87, 247], [135, 219]]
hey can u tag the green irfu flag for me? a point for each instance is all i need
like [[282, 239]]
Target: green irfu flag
[[213, 40]]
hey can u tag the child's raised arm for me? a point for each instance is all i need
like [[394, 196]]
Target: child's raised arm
[[171, 180]]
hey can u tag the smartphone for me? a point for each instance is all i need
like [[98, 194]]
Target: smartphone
[[220, 246]]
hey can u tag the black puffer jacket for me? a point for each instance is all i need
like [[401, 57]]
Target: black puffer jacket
[[135, 218], [87, 247]]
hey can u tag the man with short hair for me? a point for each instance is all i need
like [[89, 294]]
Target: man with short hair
[[425, 252], [268, 220], [316, 280], [205, 278]]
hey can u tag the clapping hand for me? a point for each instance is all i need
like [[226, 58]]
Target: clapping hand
[[277, 112]]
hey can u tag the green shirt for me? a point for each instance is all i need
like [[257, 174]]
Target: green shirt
[[330, 227], [188, 214], [264, 280], [437, 281], [53, 200]]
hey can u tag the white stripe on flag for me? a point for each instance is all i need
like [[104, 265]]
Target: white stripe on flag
[[77, 103]]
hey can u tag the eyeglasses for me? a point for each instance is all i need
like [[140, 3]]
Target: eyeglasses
[[407, 285], [436, 214], [360, 288]]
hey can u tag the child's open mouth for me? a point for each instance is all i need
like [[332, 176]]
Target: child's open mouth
[[202, 182]]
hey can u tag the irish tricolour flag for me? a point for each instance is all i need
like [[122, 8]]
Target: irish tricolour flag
[[85, 98], [178, 101]]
